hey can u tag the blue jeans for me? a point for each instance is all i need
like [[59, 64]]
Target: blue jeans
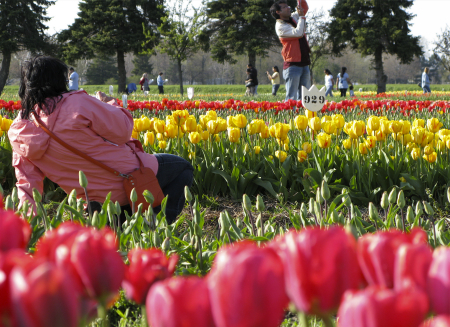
[[256, 90], [275, 88], [426, 89], [329, 91], [295, 78], [174, 173]]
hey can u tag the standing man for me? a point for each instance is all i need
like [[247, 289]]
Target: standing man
[[291, 32], [73, 80], [253, 77], [160, 83]]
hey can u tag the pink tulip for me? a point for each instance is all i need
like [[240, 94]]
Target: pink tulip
[[146, 267], [412, 262], [14, 231], [438, 321], [320, 265], [376, 254], [439, 281], [179, 301], [246, 287], [96, 260], [42, 295], [8, 261], [380, 307]]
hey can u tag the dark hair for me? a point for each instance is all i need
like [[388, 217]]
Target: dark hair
[[327, 71], [276, 69], [42, 82], [351, 87], [249, 65], [161, 73], [71, 68], [343, 70], [276, 7], [249, 70]]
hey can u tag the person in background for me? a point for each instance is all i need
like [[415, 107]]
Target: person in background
[[352, 93], [73, 79], [426, 81], [144, 82], [253, 77], [329, 82], [343, 81], [250, 85], [160, 83], [291, 32], [275, 78]]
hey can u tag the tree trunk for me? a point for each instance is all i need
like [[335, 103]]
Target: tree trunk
[[122, 72], [252, 58], [4, 70], [180, 76], [381, 78]]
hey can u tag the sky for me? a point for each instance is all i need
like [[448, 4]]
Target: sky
[[430, 21]]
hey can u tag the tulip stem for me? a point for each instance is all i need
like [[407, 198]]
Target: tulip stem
[[303, 319], [144, 317], [327, 321], [101, 310]]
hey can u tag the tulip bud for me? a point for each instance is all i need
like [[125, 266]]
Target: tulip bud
[[148, 196], [9, 203], [448, 194], [398, 221], [419, 208], [373, 212], [168, 232], [186, 238], [238, 223], [325, 190], [384, 200], [401, 199], [346, 200], [83, 180], [260, 203], [166, 245], [111, 208], [344, 190], [133, 195], [317, 209], [352, 212], [393, 196], [72, 198], [428, 208], [37, 196], [303, 210], [95, 219], [311, 206], [246, 202], [118, 208], [25, 207], [224, 223], [187, 194], [197, 231], [15, 195], [319, 197], [156, 239], [410, 215]]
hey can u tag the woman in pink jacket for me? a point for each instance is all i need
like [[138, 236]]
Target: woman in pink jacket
[[100, 129]]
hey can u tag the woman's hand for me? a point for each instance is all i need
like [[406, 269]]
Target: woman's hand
[[103, 97]]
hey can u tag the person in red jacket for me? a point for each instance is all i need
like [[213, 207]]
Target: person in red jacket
[[291, 29]]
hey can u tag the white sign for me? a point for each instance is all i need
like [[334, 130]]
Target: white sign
[[125, 101], [313, 99], [111, 89], [190, 91]]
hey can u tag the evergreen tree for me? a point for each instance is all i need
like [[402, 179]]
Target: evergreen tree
[[100, 70], [21, 27], [373, 28], [442, 48], [142, 65], [238, 27], [112, 27]]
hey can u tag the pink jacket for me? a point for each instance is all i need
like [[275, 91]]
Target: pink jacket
[[98, 129]]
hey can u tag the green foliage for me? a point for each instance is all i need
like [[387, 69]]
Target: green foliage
[[142, 65], [101, 69], [111, 27]]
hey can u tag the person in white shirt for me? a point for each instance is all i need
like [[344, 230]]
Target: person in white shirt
[[329, 82], [160, 83], [343, 81], [73, 80]]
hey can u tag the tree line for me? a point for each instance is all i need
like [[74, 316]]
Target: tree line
[[218, 35]]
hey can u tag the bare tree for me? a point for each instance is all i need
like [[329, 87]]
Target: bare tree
[[442, 48]]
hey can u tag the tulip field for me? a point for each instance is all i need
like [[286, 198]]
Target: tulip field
[[361, 237]]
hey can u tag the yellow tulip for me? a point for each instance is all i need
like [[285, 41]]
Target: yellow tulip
[[431, 158], [395, 126], [410, 146], [384, 126], [213, 127], [212, 114], [222, 124], [257, 149], [162, 145], [301, 122], [247, 148], [194, 137], [138, 126], [240, 121], [418, 135], [433, 125], [264, 132], [373, 123], [428, 149], [302, 156], [190, 124], [234, 134], [149, 138], [325, 119], [281, 155], [415, 153], [281, 131], [406, 126], [306, 146], [407, 138], [324, 140], [371, 141], [191, 155], [363, 148], [315, 124], [329, 127], [358, 127], [171, 131], [203, 120], [205, 135], [347, 143], [160, 126], [286, 147], [419, 123], [347, 127], [145, 123], [134, 134], [338, 120], [440, 145], [443, 133], [310, 114]]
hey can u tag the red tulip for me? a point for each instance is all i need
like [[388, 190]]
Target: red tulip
[[376, 254], [380, 307], [42, 295], [246, 287], [146, 267], [96, 260], [439, 281], [438, 321], [8, 261], [320, 265], [412, 262], [14, 231], [179, 301]]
